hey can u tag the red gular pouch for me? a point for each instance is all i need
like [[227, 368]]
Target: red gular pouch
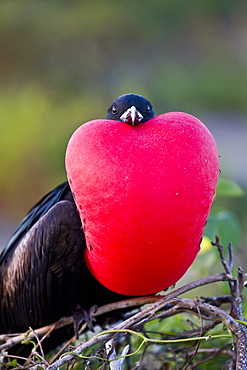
[[144, 193]]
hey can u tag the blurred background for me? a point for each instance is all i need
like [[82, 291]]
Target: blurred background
[[62, 63]]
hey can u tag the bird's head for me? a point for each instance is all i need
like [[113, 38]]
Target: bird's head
[[130, 108]]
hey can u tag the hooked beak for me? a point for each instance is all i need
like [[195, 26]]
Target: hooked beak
[[131, 116]]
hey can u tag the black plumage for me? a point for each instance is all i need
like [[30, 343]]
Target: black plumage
[[43, 275], [124, 102]]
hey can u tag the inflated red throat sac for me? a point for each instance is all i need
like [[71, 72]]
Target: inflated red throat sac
[[144, 193]]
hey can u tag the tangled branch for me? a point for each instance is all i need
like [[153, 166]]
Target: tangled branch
[[160, 307]]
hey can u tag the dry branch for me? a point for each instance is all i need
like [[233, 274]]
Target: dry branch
[[162, 307]]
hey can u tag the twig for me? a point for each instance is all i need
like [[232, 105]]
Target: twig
[[236, 328], [214, 352], [218, 301], [168, 305], [12, 339], [54, 358], [236, 287], [198, 342], [134, 302], [149, 311]]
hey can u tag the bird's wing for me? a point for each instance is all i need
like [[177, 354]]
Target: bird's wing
[[38, 282], [36, 212]]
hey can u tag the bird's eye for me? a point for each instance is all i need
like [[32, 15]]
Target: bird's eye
[[114, 110], [147, 109]]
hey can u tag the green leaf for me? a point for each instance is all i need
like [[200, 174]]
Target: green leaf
[[12, 363], [228, 188], [224, 224]]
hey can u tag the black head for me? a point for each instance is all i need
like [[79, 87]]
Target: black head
[[130, 108]]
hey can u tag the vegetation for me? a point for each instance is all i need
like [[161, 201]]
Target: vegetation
[[170, 332]]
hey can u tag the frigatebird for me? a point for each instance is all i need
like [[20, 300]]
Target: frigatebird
[[43, 275]]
